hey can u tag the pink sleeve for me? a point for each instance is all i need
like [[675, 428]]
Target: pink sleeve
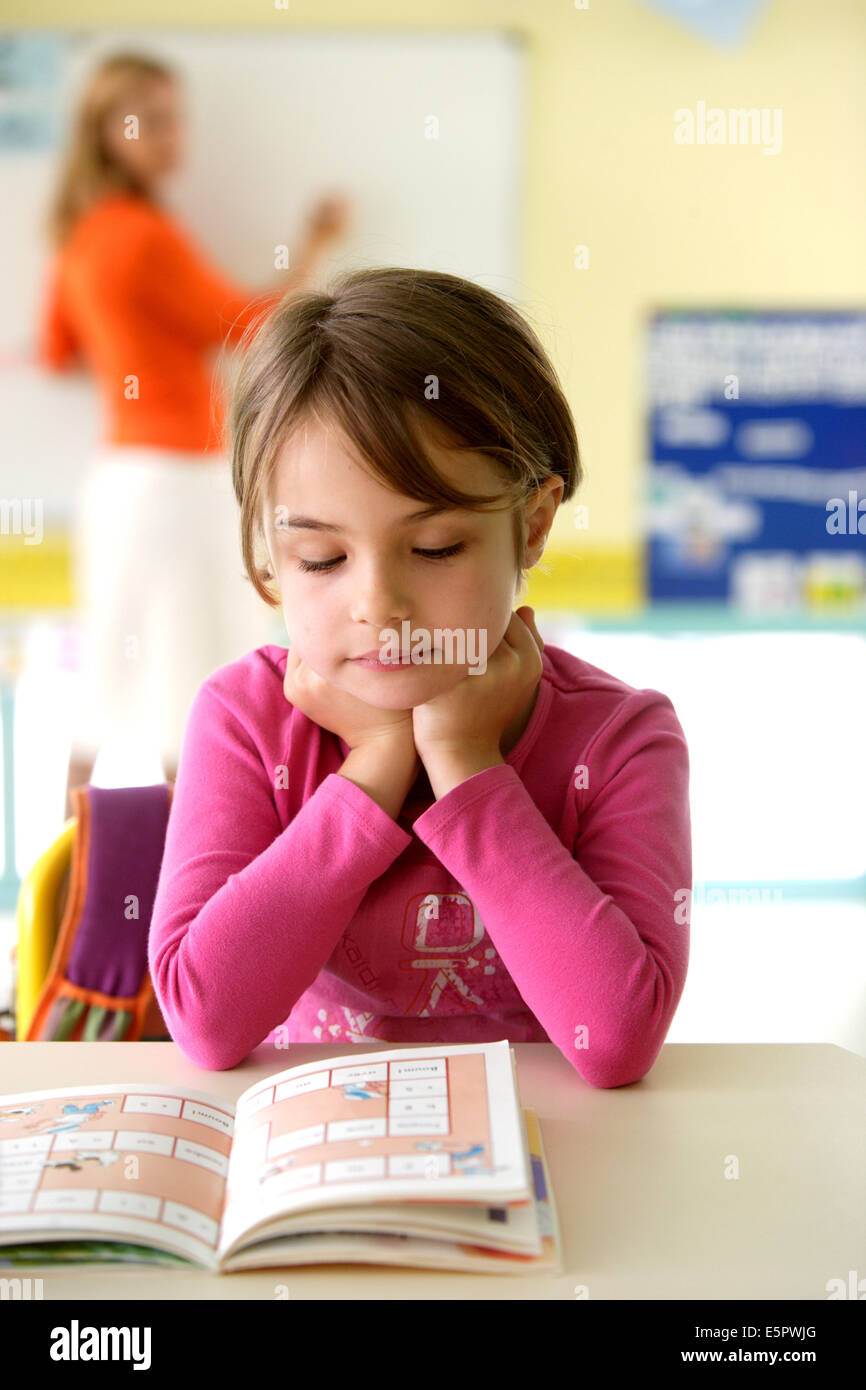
[[596, 940], [247, 913]]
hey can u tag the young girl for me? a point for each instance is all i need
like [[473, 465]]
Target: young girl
[[419, 824]]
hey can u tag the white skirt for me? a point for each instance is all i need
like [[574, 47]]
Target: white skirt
[[162, 593]]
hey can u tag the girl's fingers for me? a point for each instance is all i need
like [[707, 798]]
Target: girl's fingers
[[527, 617], [512, 632], [291, 676]]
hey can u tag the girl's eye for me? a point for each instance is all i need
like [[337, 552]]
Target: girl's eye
[[443, 554]]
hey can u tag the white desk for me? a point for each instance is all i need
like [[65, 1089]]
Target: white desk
[[638, 1174]]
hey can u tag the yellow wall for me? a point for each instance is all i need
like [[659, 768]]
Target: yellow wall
[[666, 224]]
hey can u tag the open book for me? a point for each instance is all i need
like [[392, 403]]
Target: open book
[[417, 1156]]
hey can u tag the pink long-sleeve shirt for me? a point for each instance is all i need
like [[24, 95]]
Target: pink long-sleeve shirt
[[541, 900]]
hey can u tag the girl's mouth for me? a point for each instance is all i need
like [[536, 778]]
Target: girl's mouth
[[403, 663], [373, 663]]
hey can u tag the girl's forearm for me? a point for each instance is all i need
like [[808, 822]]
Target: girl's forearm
[[384, 772], [233, 946]]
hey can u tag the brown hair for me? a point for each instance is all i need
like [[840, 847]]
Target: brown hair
[[88, 170], [388, 351]]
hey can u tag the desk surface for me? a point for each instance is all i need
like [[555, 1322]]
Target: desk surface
[[638, 1174]]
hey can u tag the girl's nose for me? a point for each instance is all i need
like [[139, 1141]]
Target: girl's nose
[[380, 600]]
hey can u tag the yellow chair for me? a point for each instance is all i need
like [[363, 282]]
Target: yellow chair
[[59, 933], [40, 908]]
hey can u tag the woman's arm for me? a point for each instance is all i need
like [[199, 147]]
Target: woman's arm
[[57, 347], [176, 283], [177, 286], [326, 225], [248, 912]]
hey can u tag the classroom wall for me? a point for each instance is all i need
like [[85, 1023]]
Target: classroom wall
[[664, 223], [257, 159]]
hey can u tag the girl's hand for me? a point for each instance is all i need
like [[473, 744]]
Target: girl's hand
[[476, 712], [341, 713]]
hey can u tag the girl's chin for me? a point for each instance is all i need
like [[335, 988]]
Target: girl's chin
[[374, 686]]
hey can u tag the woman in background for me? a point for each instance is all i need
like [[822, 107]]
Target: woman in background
[[163, 602]]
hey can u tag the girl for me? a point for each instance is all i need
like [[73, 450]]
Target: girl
[[371, 836], [134, 299]]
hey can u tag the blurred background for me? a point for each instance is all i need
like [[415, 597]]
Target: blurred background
[[672, 192]]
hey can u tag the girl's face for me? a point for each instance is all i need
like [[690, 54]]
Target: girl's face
[[378, 578]]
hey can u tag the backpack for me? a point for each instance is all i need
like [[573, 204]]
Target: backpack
[[98, 987]]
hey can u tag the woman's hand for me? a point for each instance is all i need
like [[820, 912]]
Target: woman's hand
[[471, 718], [343, 714], [329, 219]]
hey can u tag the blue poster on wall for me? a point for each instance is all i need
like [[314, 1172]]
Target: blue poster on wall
[[757, 443], [30, 70], [723, 22]]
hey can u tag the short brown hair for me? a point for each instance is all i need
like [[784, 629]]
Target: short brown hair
[[385, 353]]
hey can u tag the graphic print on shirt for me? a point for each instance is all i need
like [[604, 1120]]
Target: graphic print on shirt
[[354, 1026], [444, 928]]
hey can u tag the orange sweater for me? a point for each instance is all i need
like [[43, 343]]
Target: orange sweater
[[132, 297]]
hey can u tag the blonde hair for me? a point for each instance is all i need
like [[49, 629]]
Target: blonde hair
[[387, 352], [88, 170]]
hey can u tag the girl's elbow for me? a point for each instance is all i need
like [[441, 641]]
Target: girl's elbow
[[618, 1076], [210, 1058], [617, 1061], [189, 1019], [610, 1073], [200, 1046]]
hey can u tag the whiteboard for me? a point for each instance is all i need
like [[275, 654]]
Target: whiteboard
[[274, 122]]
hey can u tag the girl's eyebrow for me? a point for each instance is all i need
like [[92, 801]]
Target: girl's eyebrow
[[310, 523]]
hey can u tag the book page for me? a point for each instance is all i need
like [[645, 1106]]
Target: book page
[[479, 1247], [116, 1162], [432, 1124]]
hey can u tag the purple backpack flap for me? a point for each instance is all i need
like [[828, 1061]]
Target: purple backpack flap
[[98, 987]]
